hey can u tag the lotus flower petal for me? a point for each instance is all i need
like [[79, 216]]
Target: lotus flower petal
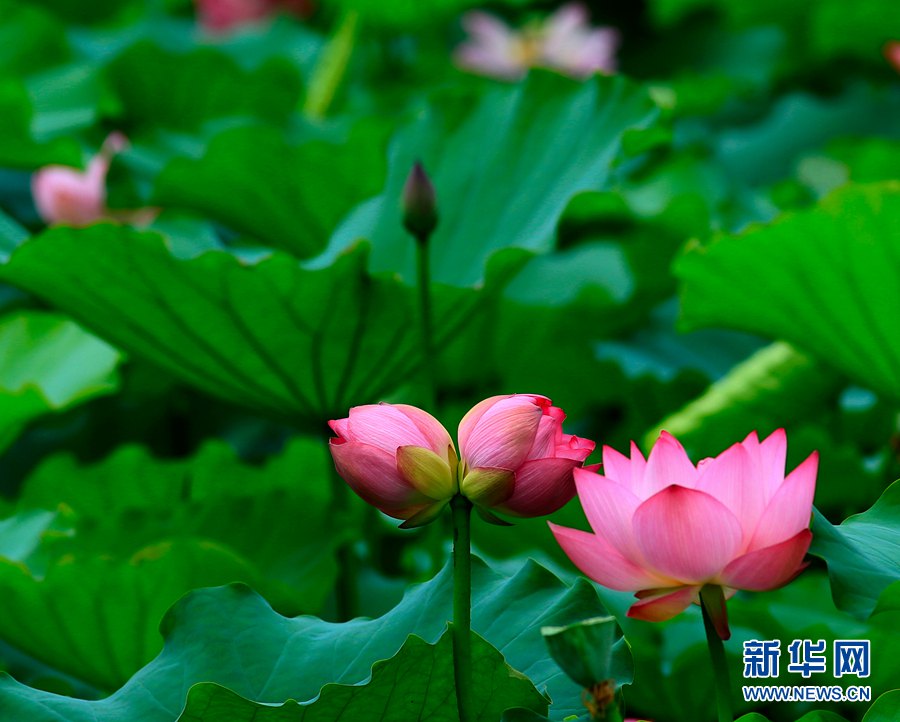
[[686, 534]]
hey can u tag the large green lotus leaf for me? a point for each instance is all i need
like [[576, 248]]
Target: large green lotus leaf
[[80, 13], [30, 39], [415, 685], [830, 27], [300, 344], [771, 388], [277, 516], [21, 535], [409, 12], [504, 173], [18, 147], [885, 709], [96, 618], [814, 716], [11, 235], [67, 99], [48, 364], [185, 90], [231, 637], [823, 279], [797, 123], [863, 553], [287, 196]]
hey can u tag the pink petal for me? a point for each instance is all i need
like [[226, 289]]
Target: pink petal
[[372, 473], [341, 428], [599, 50], [574, 447], [504, 433], [770, 567], [485, 27], [668, 464], [566, 20], [493, 62], [433, 430], [892, 54], [609, 508], [638, 468], [472, 417], [549, 430], [541, 487], [384, 426], [616, 466], [790, 508], [600, 562], [773, 453], [733, 478], [66, 195], [664, 605], [686, 534]]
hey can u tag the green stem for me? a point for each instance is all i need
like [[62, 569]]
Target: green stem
[[719, 662], [612, 713], [331, 67], [428, 357], [462, 606]]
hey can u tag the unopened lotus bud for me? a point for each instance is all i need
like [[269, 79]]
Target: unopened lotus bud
[[419, 204]]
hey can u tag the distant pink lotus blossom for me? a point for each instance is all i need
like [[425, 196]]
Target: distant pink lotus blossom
[[515, 458], [664, 528], [78, 198], [564, 42], [892, 53], [224, 15]]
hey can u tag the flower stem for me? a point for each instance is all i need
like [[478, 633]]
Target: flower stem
[[424, 283], [708, 597], [462, 606]]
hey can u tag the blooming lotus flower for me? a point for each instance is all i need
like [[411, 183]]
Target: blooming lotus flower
[[564, 42], [78, 198], [224, 15], [666, 529], [515, 458]]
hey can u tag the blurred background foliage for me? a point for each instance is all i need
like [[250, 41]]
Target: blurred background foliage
[[707, 242]]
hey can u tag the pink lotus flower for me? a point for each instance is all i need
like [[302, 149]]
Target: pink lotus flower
[[892, 53], [564, 42], [224, 15], [665, 529], [397, 458], [78, 198], [515, 458]]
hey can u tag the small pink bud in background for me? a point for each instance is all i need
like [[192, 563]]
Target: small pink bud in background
[[892, 53], [78, 198], [666, 529], [516, 458], [419, 204], [397, 458], [220, 16], [564, 42]]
